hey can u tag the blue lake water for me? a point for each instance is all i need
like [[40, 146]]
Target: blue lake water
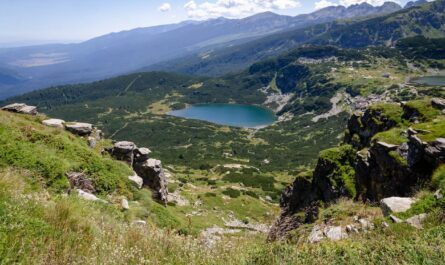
[[237, 115], [430, 80]]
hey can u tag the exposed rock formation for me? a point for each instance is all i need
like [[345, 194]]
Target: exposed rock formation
[[79, 128], [123, 150], [149, 170], [21, 108], [153, 175], [365, 168], [57, 123], [88, 196]]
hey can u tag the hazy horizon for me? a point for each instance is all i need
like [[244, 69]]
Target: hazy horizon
[[29, 22]]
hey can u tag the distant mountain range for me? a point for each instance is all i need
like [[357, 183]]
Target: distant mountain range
[[27, 68], [417, 19]]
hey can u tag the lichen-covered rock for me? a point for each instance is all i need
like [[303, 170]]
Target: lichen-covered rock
[[152, 173], [124, 204], [21, 108], [396, 205], [79, 128], [80, 181], [92, 142], [56, 123]]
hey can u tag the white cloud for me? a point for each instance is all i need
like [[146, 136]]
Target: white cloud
[[371, 2], [324, 3], [236, 8], [165, 7]]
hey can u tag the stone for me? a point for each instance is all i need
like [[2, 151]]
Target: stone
[[335, 233], [387, 146], [141, 154], [80, 181], [438, 103], [88, 196], [92, 142], [352, 229], [316, 234], [416, 220], [140, 222], [124, 204], [395, 219], [99, 135], [56, 123], [152, 173], [123, 150], [438, 194], [21, 108], [136, 180], [79, 128], [395, 205], [366, 224]]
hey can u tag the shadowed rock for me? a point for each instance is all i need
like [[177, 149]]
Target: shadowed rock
[[79, 128], [153, 175], [80, 181]]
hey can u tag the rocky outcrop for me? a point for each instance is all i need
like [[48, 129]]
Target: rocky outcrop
[[56, 123], [148, 170], [79, 128], [21, 108], [363, 126], [152, 173], [124, 151]]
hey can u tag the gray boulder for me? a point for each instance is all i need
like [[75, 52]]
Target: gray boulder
[[136, 180], [416, 220], [335, 233], [79, 128], [56, 123], [92, 142], [21, 108], [89, 197], [395, 205], [141, 154], [152, 173]]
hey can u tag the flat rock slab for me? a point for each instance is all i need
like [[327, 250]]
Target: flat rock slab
[[21, 108], [57, 123], [89, 197], [79, 128], [395, 205]]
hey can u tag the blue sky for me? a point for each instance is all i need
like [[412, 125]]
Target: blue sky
[[76, 20]]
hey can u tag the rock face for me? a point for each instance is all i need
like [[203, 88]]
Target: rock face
[[21, 108], [57, 123], [395, 205], [362, 126], [149, 172], [79, 128], [153, 175], [367, 170], [80, 181]]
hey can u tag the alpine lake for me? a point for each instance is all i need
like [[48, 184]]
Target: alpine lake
[[237, 115]]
